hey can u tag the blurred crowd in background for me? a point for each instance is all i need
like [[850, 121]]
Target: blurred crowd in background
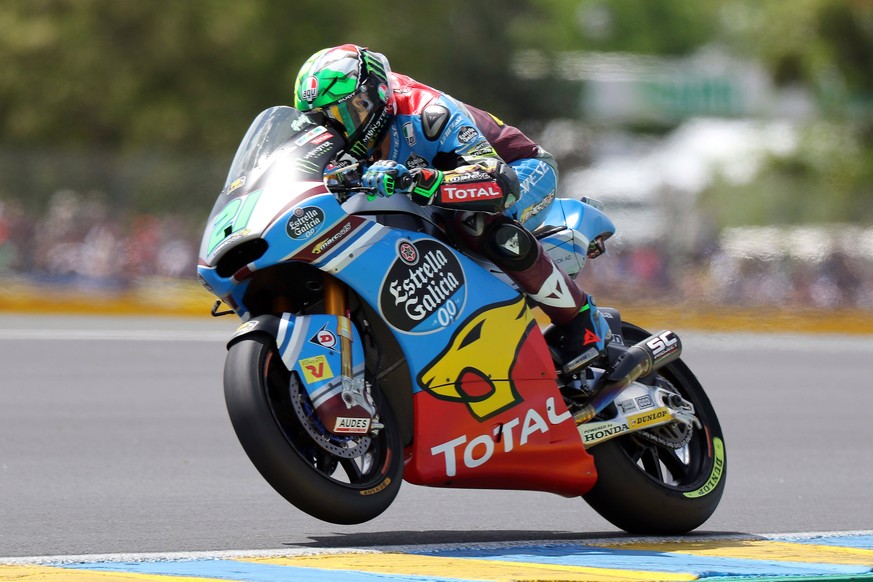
[[78, 245], [834, 280]]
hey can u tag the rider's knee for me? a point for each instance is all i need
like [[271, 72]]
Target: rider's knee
[[513, 246]]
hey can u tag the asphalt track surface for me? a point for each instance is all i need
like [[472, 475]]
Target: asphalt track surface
[[114, 440]]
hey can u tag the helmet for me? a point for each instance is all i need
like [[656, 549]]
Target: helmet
[[351, 86]]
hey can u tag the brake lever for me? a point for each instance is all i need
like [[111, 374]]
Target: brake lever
[[340, 172], [344, 185]]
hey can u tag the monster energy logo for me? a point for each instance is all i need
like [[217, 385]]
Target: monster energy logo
[[358, 150], [306, 166], [374, 65], [374, 130]]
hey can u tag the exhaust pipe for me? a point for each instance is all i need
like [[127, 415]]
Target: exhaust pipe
[[639, 360]]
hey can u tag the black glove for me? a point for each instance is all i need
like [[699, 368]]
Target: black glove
[[426, 184]]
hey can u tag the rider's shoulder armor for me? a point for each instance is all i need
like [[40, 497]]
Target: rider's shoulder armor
[[410, 96], [434, 120], [433, 111], [433, 129]]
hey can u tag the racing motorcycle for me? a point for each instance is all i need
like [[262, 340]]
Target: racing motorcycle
[[372, 349]]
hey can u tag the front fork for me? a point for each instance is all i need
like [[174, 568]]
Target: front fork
[[335, 303], [354, 392]]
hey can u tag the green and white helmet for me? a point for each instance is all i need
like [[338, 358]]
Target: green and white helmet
[[351, 86]]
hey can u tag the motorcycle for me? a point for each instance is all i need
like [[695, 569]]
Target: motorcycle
[[373, 350]]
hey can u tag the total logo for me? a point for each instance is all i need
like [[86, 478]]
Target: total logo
[[479, 450], [470, 193]]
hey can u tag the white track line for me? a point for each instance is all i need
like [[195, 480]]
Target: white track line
[[115, 335]]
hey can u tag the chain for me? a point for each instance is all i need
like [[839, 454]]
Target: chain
[[676, 434], [672, 443]]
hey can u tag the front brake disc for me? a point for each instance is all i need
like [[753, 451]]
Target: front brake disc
[[346, 447]]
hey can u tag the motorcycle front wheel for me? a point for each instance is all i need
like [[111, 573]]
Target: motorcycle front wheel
[[666, 480], [343, 480]]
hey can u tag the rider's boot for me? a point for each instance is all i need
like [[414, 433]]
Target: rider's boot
[[583, 338]]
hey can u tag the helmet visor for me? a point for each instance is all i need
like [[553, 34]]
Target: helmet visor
[[352, 114]]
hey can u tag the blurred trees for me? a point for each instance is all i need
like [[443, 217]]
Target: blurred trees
[[191, 75], [825, 47], [159, 93], [163, 90]]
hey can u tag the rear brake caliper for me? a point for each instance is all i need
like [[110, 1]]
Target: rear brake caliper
[[675, 434], [657, 413]]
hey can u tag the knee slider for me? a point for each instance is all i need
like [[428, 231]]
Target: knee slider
[[511, 246]]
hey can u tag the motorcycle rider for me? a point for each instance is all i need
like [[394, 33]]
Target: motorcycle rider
[[416, 140]]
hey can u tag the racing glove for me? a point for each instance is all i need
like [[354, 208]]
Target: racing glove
[[387, 177], [426, 183], [475, 187]]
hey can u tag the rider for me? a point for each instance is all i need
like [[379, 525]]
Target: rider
[[414, 139]]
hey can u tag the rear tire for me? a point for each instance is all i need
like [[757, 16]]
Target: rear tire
[[645, 487], [258, 392]]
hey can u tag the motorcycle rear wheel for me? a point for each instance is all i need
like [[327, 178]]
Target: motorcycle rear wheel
[[646, 487], [258, 390]]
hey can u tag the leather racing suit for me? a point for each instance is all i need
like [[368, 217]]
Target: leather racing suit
[[497, 179]]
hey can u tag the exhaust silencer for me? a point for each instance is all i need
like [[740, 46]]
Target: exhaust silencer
[[639, 360]]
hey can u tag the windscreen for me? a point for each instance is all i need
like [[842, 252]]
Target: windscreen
[[283, 151], [274, 129]]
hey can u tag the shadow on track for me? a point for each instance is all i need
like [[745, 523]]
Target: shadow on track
[[402, 538]]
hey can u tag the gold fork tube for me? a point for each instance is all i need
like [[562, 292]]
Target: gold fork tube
[[334, 296], [335, 304]]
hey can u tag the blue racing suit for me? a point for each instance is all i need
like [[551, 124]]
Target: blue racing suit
[[497, 179]]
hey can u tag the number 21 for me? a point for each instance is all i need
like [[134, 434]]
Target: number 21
[[232, 218]]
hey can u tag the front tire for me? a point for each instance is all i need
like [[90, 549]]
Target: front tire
[[652, 486], [340, 489]]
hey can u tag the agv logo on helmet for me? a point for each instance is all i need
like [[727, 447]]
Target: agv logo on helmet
[[310, 90]]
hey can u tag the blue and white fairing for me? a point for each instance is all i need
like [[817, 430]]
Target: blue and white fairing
[[279, 163], [276, 208], [583, 223]]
